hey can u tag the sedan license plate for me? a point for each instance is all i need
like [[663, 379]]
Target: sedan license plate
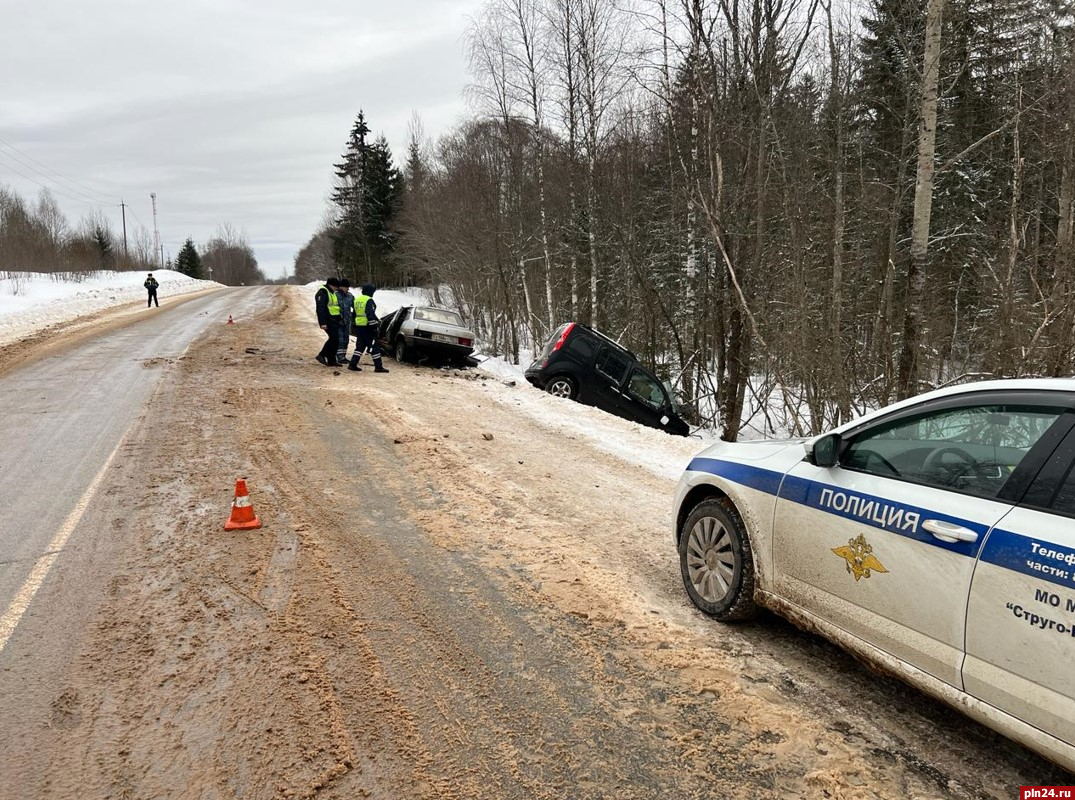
[[440, 337]]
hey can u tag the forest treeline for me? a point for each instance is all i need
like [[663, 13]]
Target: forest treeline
[[37, 237], [825, 206]]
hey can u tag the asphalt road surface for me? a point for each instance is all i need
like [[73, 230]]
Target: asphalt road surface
[[448, 599]]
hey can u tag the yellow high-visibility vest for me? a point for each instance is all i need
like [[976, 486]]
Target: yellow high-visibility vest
[[333, 302], [360, 310]]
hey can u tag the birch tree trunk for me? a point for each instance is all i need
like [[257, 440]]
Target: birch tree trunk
[[1005, 356], [562, 15], [839, 383], [909, 366], [525, 17]]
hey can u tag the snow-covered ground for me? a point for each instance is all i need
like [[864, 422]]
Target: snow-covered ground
[[30, 301]]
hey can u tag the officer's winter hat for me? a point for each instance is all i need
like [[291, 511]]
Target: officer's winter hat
[[368, 289], [332, 282]]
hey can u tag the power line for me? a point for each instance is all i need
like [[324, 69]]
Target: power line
[[57, 186], [89, 193], [92, 204], [136, 219]]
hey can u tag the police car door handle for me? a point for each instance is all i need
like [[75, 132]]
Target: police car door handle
[[949, 531]]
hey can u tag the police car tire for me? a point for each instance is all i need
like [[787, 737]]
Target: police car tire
[[738, 603]]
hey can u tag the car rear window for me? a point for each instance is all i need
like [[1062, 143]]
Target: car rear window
[[438, 315], [582, 346], [546, 351]]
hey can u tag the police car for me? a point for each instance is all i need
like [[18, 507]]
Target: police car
[[934, 538]]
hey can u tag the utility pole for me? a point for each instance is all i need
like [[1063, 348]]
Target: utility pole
[[123, 212], [157, 246]]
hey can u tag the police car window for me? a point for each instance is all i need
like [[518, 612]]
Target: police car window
[[613, 364], [1064, 502], [646, 388], [971, 449]]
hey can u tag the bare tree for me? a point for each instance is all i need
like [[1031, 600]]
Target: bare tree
[[923, 201]]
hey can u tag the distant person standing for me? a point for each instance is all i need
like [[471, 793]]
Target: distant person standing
[[151, 287], [347, 310], [366, 324], [327, 303]]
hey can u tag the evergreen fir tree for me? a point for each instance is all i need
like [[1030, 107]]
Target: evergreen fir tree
[[188, 261], [349, 245], [103, 240], [382, 195], [416, 171], [368, 196]]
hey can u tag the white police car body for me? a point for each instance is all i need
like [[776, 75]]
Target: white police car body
[[934, 538]]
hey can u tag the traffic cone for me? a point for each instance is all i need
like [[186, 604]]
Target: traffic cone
[[230, 320], [242, 513]]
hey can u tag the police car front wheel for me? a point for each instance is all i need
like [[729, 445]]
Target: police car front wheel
[[716, 563]]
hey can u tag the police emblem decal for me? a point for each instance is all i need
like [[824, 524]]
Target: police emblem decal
[[859, 557]]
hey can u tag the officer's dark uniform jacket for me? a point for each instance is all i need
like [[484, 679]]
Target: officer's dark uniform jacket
[[328, 305]]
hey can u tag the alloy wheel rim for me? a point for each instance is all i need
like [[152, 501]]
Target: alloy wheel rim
[[710, 559], [560, 389]]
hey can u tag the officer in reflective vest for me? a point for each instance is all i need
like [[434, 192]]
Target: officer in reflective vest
[[328, 317], [347, 312], [366, 324]]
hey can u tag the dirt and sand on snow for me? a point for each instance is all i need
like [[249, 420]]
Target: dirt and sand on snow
[[449, 599]]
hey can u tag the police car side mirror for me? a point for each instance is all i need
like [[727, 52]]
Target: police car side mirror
[[823, 452]]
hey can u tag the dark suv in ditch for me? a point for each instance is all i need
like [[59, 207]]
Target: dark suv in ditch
[[583, 364]]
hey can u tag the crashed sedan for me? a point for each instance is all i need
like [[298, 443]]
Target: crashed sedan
[[934, 538], [416, 333]]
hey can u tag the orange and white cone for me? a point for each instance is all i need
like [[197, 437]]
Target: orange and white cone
[[230, 320], [242, 512]]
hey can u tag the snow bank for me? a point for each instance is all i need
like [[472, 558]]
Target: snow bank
[[30, 301]]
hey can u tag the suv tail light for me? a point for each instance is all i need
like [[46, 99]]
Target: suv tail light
[[563, 337], [465, 342]]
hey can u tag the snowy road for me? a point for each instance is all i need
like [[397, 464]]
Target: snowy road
[[463, 589], [62, 422]]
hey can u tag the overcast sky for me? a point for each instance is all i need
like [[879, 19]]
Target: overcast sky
[[230, 110]]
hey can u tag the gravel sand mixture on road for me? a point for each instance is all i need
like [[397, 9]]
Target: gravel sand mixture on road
[[448, 599]]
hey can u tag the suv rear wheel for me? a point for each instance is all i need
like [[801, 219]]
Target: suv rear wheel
[[562, 386]]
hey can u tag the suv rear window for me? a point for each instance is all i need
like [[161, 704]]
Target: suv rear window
[[581, 345], [553, 339]]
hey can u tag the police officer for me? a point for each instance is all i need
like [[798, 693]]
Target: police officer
[[328, 317], [151, 287], [347, 312], [366, 324]]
